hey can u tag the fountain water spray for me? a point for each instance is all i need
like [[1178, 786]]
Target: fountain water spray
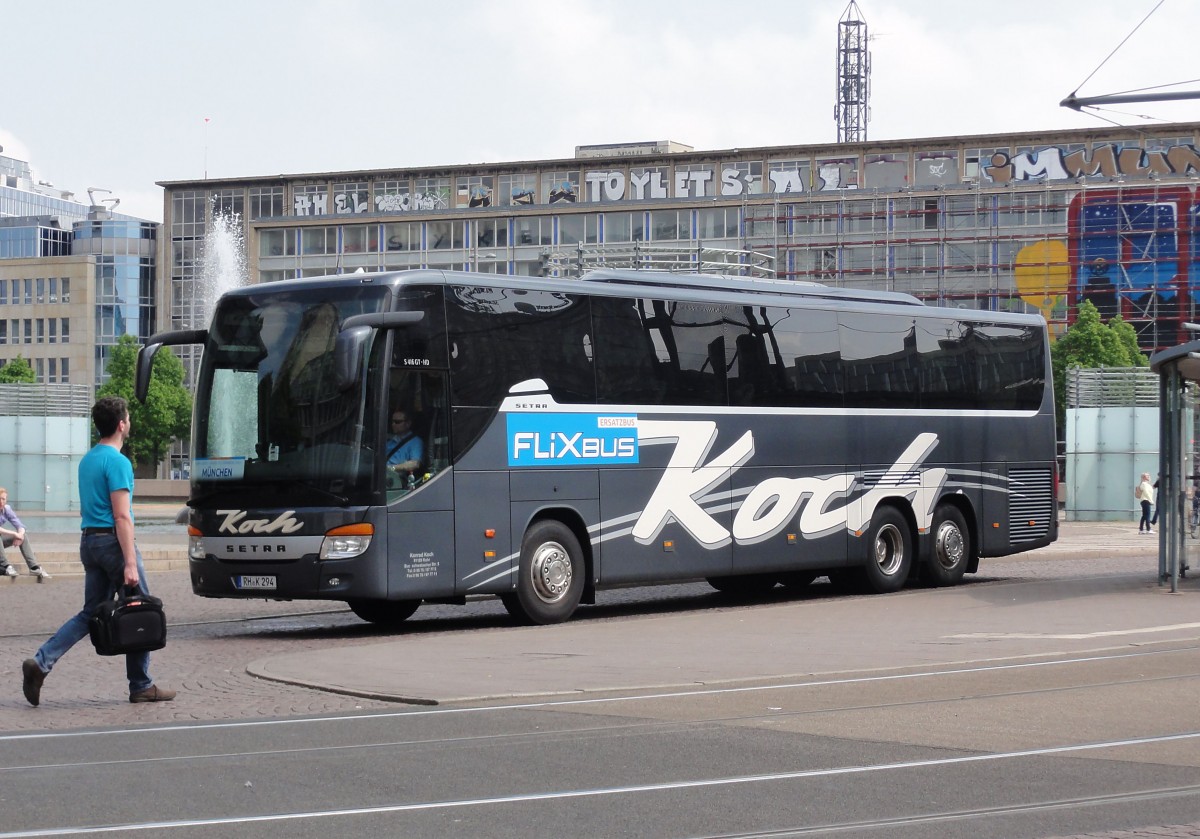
[[223, 266]]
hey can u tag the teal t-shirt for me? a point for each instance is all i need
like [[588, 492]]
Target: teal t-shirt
[[102, 471]]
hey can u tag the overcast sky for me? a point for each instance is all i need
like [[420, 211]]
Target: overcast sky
[[115, 94]]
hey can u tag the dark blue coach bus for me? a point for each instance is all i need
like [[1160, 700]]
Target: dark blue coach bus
[[621, 428]]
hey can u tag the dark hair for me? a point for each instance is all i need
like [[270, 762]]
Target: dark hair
[[107, 413]]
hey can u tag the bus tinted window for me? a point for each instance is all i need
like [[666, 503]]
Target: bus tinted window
[[422, 345], [801, 348], [500, 337], [690, 340], [879, 354], [946, 364], [628, 371], [1011, 366]]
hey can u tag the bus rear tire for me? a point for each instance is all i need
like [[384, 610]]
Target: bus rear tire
[[889, 551], [551, 575], [384, 612], [951, 547]]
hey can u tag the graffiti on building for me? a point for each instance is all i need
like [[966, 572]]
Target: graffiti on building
[[406, 202], [1130, 252], [1053, 163]]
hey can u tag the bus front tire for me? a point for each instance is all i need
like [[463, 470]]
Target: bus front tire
[[951, 547], [889, 551], [551, 575], [384, 612]]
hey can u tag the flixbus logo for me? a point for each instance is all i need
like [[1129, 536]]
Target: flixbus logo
[[571, 439]]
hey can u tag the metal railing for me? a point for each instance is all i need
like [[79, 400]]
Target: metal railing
[[45, 400]]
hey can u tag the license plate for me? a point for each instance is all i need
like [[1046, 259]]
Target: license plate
[[254, 582]]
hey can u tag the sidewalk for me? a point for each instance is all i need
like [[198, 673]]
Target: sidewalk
[[163, 543]]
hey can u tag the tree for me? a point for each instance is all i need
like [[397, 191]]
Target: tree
[[17, 370], [166, 414], [1092, 343]]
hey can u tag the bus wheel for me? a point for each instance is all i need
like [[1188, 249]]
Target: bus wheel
[[951, 547], [551, 576], [384, 612], [743, 585], [889, 551]]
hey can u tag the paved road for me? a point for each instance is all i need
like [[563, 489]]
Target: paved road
[[1074, 644]]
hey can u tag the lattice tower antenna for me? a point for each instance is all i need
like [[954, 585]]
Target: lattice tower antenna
[[853, 110]]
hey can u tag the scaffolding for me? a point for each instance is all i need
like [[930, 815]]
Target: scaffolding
[[1032, 248], [641, 256]]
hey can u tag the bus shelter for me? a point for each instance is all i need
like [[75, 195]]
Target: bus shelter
[[1178, 369]]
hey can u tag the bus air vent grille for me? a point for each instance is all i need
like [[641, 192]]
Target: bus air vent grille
[[1030, 504]]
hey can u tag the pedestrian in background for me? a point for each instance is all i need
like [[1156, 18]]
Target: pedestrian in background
[[106, 548], [1144, 492], [13, 533]]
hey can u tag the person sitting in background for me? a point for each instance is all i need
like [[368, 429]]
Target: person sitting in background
[[13, 533], [404, 448]]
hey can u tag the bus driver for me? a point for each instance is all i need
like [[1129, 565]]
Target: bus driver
[[404, 448]]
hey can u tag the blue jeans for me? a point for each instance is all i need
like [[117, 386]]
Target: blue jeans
[[104, 573]]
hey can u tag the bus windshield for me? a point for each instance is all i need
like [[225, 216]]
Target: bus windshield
[[268, 411]]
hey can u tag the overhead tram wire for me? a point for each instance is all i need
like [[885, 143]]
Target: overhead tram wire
[[1078, 103], [1114, 51]]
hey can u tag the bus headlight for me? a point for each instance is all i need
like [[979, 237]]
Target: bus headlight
[[347, 542], [195, 544]]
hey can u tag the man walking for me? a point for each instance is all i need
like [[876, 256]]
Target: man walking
[[12, 533], [106, 548]]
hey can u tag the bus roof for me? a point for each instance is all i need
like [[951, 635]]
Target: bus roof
[[621, 282]]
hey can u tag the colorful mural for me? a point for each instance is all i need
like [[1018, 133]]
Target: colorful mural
[[1131, 252]]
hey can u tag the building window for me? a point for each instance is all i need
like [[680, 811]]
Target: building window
[[229, 202], [52, 370], [41, 330], [28, 330], [351, 197], [431, 194], [66, 289], [560, 187], [40, 290], [64, 370], [516, 190], [28, 291], [40, 366], [393, 196], [3, 332], [52, 337], [354, 238], [266, 202], [277, 242], [66, 330], [3, 293], [318, 240], [53, 283], [475, 191], [310, 199]]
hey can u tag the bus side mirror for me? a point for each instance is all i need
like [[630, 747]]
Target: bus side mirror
[[352, 339], [348, 354], [145, 361]]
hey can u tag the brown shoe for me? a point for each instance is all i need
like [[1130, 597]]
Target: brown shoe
[[31, 681], [152, 694]]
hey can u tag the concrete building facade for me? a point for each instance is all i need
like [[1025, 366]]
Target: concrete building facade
[[1031, 221]]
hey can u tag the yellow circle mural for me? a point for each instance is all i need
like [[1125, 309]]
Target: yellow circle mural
[[1042, 274]]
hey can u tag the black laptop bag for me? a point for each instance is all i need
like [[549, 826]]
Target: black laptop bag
[[131, 622]]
